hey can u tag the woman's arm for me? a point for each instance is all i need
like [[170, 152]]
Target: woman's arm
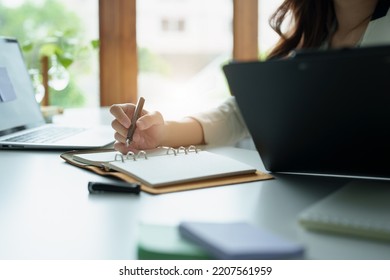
[[152, 131]]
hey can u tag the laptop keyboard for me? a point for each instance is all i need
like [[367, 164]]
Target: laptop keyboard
[[46, 135]]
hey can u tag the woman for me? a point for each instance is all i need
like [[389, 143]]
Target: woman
[[317, 24]]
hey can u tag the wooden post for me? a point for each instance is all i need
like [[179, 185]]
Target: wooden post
[[245, 30], [45, 80], [118, 51]]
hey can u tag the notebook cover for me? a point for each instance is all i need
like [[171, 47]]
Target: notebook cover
[[257, 176], [239, 241], [361, 208], [163, 242]]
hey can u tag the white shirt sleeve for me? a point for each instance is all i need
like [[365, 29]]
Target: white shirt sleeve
[[377, 32], [223, 125]]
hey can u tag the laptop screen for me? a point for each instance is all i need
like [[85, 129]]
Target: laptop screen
[[326, 112], [18, 107]]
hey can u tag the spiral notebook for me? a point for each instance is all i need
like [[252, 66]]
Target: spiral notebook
[[361, 208], [169, 169]]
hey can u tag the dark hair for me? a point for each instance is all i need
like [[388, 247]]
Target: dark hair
[[311, 23]]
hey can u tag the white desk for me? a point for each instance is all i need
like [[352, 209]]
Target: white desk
[[46, 211]]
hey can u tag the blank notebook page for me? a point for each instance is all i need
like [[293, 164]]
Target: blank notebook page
[[170, 169]]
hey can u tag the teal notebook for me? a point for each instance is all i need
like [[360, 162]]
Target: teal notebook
[[361, 208], [163, 242]]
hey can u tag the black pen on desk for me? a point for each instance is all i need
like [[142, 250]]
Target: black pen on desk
[[118, 187], [136, 115]]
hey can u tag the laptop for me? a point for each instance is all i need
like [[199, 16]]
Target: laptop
[[320, 112], [22, 124]]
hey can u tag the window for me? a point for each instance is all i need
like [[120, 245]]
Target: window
[[182, 45], [267, 37], [61, 27], [172, 25]]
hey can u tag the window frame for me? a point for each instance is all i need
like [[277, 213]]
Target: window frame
[[118, 46]]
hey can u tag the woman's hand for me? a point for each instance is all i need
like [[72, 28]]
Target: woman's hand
[[149, 132]]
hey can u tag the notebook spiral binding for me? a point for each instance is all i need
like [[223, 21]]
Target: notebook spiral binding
[[142, 154], [181, 149]]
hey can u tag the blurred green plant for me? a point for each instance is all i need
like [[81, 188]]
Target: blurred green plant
[[64, 46], [49, 29]]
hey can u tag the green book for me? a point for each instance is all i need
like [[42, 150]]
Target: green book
[[163, 242]]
